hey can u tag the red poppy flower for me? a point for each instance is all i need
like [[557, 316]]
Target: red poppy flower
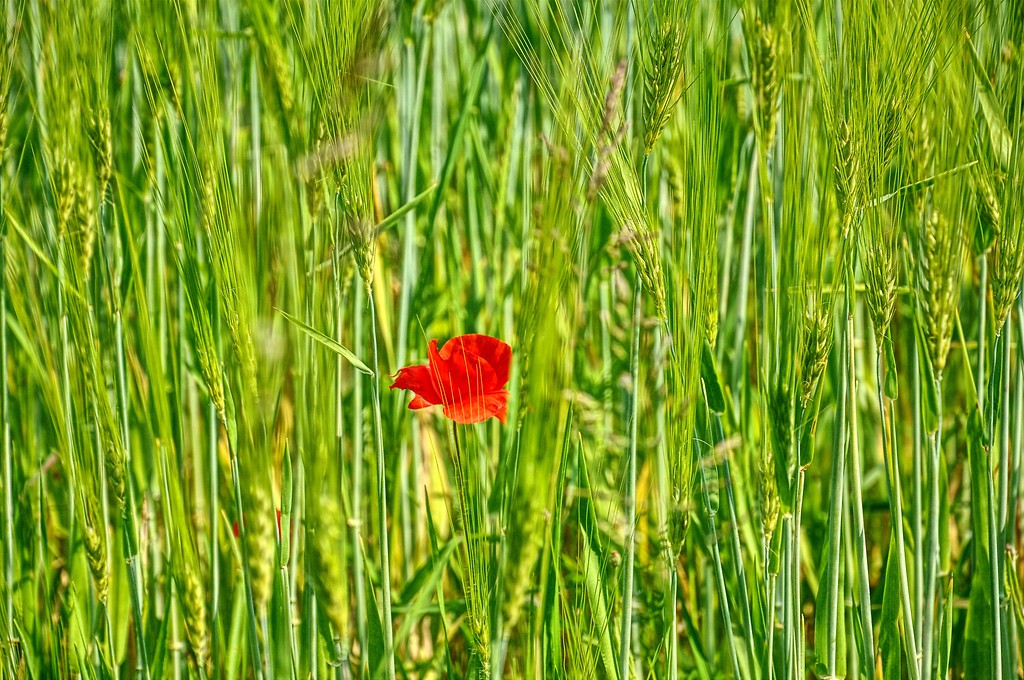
[[467, 376]]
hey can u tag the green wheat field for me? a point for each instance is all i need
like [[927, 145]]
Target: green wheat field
[[402, 339]]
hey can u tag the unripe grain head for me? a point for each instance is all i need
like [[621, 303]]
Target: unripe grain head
[[259, 537], [816, 348], [761, 45], [193, 598], [95, 537], [663, 70], [329, 579]]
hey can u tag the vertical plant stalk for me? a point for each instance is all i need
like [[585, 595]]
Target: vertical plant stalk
[[1004, 440], [630, 497], [357, 481], [859, 534], [382, 501], [671, 640], [749, 217], [135, 582], [835, 518], [716, 566], [790, 630], [285, 553], [725, 282], [770, 594], [476, 571], [673, 649], [8, 479], [214, 462], [996, 537], [215, 647], [65, 352], [1012, 639], [128, 516], [734, 532], [342, 643], [176, 643], [312, 636], [932, 552], [795, 630], [917, 470], [896, 522], [7, 482], [254, 632], [982, 339]]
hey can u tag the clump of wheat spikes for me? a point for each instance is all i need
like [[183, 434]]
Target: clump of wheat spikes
[[759, 263]]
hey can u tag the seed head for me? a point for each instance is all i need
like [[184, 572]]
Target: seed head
[[259, 537], [988, 204], [103, 154], [114, 462], [194, 607], [847, 176], [817, 344], [878, 254], [938, 269], [64, 191], [679, 518], [663, 70], [762, 46], [1008, 258], [610, 135], [283, 76], [355, 211], [767, 495], [96, 552], [328, 576]]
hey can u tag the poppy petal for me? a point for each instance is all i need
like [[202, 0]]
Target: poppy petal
[[420, 381], [479, 409], [462, 377], [450, 382], [419, 402], [483, 359], [498, 354]]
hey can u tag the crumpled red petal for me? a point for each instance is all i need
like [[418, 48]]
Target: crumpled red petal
[[478, 410], [420, 381], [419, 402], [481, 358]]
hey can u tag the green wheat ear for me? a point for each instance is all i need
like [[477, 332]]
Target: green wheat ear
[[96, 547], [102, 145], [663, 74], [1001, 216], [878, 241], [762, 46], [259, 534], [356, 213], [939, 264], [818, 343], [767, 496], [194, 599], [329, 580]]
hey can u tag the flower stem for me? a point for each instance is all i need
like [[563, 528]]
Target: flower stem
[[896, 522], [382, 502], [630, 499]]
